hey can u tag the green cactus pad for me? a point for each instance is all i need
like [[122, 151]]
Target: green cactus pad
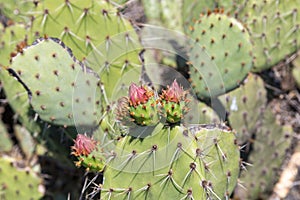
[[192, 9], [220, 155], [5, 142], [17, 10], [62, 90], [17, 97], [95, 32], [170, 164], [245, 106], [274, 29], [164, 13], [207, 115], [13, 40], [219, 55], [28, 145], [269, 151], [296, 71], [18, 183], [160, 166]]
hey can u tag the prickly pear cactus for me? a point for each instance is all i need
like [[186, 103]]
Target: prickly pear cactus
[[18, 183], [245, 107], [269, 149], [65, 89], [274, 29], [219, 55], [166, 161]]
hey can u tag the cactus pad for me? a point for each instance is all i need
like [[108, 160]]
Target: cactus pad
[[219, 56], [5, 142], [245, 106], [170, 164], [269, 150], [61, 89], [220, 155], [18, 183], [156, 167], [274, 28], [95, 31], [207, 115]]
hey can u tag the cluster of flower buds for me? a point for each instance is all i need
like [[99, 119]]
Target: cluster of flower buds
[[85, 149], [174, 103], [143, 107]]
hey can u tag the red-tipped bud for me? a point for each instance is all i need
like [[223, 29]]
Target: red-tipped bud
[[83, 145], [138, 95], [175, 93]]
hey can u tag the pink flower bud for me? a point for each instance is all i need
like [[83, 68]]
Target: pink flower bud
[[137, 95], [83, 145], [175, 93]]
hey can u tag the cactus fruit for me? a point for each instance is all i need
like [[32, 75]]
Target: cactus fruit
[[174, 103], [245, 106], [274, 29], [52, 64], [141, 107], [269, 149], [18, 183], [214, 69], [87, 152]]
